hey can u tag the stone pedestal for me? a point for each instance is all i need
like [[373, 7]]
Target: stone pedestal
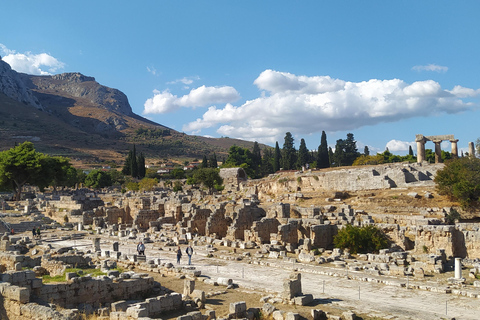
[[96, 244]]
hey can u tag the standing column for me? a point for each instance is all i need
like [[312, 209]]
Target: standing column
[[458, 268], [454, 148], [471, 150], [438, 151], [420, 148]]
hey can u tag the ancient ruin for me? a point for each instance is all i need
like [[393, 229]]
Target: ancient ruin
[[262, 225], [437, 140]]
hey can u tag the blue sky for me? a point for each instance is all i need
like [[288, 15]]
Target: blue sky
[[254, 70]]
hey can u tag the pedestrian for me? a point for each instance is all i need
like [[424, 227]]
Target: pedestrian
[[189, 252], [179, 254], [141, 249], [34, 232], [12, 231], [38, 233]]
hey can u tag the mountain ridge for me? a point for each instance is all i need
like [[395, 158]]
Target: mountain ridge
[[71, 114]]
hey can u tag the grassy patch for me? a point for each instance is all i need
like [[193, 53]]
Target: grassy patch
[[80, 272]]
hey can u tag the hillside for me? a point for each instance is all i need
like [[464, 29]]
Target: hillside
[[72, 115]]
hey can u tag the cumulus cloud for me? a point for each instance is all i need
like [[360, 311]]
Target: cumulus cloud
[[463, 92], [163, 102], [36, 64], [304, 105], [397, 145], [431, 67]]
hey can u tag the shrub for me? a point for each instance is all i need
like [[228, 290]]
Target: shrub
[[361, 239], [460, 180]]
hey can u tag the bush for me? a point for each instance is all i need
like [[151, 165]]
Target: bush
[[361, 239], [460, 180]]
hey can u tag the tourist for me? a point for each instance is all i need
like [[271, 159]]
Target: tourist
[[179, 254], [38, 233], [141, 249], [34, 232], [189, 252]]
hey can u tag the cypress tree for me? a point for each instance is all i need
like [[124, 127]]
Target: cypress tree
[[323, 158], [141, 166], [410, 150], [134, 164], [302, 154], [289, 152], [277, 158], [213, 161]]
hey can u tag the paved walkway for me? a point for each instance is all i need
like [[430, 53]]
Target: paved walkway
[[386, 301]]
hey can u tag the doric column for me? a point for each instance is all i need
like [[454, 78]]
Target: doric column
[[471, 149], [420, 140], [454, 148], [438, 151]]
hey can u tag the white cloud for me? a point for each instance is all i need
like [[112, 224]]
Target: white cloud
[[185, 80], [397, 145], [36, 64], [152, 70], [304, 105], [163, 102], [463, 92], [431, 67]]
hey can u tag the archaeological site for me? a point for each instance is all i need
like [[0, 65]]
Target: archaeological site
[[262, 249]]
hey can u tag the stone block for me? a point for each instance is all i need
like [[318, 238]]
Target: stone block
[[136, 312], [184, 317], [292, 316], [118, 306], [267, 309], [318, 314], [210, 314], [303, 300], [16, 293], [200, 294], [36, 283], [349, 315], [278, 315], [196, 315], [238, 308]]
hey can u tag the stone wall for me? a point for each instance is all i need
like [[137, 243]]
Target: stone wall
[[261, 230]]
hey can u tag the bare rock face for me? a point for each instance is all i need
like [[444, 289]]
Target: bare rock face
[[80, 86], [12, 85]]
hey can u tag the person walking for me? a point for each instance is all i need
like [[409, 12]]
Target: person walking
[[141, 249], [38, 233], [179, 254], [189, 252], [34, 232]]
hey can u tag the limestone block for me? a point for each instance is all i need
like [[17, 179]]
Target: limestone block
[[318, 314], [136, 312], [36, 283], [210, 314], [238, 308], [292, 316], [16, 293], [200, 294], [196, 315], [267, 309], [278, 315], [184, 317], [303, 300], [19, 277], [349, 315]]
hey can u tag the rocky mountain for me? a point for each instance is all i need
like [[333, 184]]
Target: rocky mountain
[[13, 86], [72, 115]]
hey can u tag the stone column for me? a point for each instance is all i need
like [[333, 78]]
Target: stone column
[[80, 226], [471, 149], [454, 148], [115, 246], [420, 148], [438, 151], [96, 244], [458, 268]]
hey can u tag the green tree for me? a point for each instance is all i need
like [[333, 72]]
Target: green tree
[[57, 171], [366, 151], [365, 239], [277, 158], [289, 152], [460, 180], [303, 154], [213, 161], [410, 150], [204, 162], [178, 173], [350, 149], [141, 166], [134, 164], [208, 177], [97, 179], [256, 160], [331, 156], [339, 155], [323, 160], [240, 157], [21, 165], [267, 162], [147, 184]]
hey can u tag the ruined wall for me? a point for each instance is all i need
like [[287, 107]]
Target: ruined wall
[[322, 235], [243, 220], [217, 224], [198, 221], [261, 230]]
